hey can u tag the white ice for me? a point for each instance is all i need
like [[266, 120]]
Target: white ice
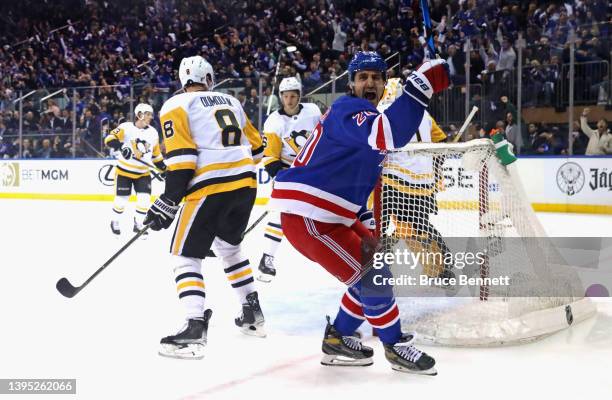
[[107, 336]]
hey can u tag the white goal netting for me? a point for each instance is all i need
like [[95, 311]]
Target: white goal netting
[[448, 199]]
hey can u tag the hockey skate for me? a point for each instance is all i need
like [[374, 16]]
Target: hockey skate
[[251, 320], [344, 350], [114, 225], [266, 269], [189, 343], [138, 227], [404, 357]]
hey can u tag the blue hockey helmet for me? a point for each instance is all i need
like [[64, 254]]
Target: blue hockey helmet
[[367, 60]]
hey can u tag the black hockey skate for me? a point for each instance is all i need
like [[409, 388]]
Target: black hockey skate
[[344, 350], [114, 225], [251, 320], [138, 227], [266, 269], [189, 343], [404, 357]]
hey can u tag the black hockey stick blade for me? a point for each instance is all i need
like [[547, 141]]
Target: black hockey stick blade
[[66, 289]]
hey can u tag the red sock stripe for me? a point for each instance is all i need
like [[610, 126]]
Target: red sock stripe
[[351, 306], [384, 319]]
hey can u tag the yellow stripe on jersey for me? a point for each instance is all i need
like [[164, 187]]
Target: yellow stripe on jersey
[[254, 137], [274, 145], [182, 165], [175, 127], [225, 165], [157, 155], [409, 173], [437, 134], [139, 168], [117, 133], [407, 189], [129, 174], [222, 187], [181, 228]]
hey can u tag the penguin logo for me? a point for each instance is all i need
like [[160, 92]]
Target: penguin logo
[[297, 139], [141, 147]]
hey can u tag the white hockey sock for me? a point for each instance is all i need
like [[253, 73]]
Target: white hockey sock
[[119, 207], [143, 202], [190, 285], [236, 267], [273, 234]]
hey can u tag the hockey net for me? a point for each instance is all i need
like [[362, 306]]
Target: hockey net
[[437, 198]]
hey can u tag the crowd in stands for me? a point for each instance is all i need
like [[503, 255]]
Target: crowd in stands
[[132, 49]]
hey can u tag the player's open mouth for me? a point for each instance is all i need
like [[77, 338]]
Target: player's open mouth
[[370, 95]]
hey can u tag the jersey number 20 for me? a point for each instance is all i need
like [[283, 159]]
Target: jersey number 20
[[309, 147], [230, 129]]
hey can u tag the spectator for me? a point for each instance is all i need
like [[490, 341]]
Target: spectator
[[27, 150], [600, 139], [499, 128], [45, 150], [512, 133], [456, 65], [59, 148], [269, 97]]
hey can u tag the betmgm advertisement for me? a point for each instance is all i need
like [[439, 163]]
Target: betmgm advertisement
[[81, 180]]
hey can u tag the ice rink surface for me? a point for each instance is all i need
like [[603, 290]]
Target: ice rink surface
[[107, 336]]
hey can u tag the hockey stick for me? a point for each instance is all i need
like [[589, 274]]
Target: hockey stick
[[154, 169], [68, 290], [465, 124], [254, 224], [427, 27]]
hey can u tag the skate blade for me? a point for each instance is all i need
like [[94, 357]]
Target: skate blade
[[254, 330], [429, 372], [264, 278], [333, 360], [194, 351]]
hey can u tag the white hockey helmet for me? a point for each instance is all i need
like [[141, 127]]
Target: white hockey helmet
[[288, 84], [142, 108], [196, 70]]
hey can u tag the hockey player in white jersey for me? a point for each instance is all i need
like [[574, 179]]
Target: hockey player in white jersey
[[286, 130], [134, 141], [211, 152], [409, 186]]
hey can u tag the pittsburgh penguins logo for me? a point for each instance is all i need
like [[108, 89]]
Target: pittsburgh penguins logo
[[141, 147], [297, 139]]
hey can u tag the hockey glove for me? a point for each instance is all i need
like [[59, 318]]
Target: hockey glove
[[126, 152], [430, 78], [161, 214], [273, 168], [367, 219]]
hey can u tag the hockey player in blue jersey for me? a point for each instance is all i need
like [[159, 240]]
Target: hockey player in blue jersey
[[322, 198]]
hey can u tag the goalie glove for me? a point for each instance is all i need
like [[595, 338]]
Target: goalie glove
[[161, 214], [430, 78]]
